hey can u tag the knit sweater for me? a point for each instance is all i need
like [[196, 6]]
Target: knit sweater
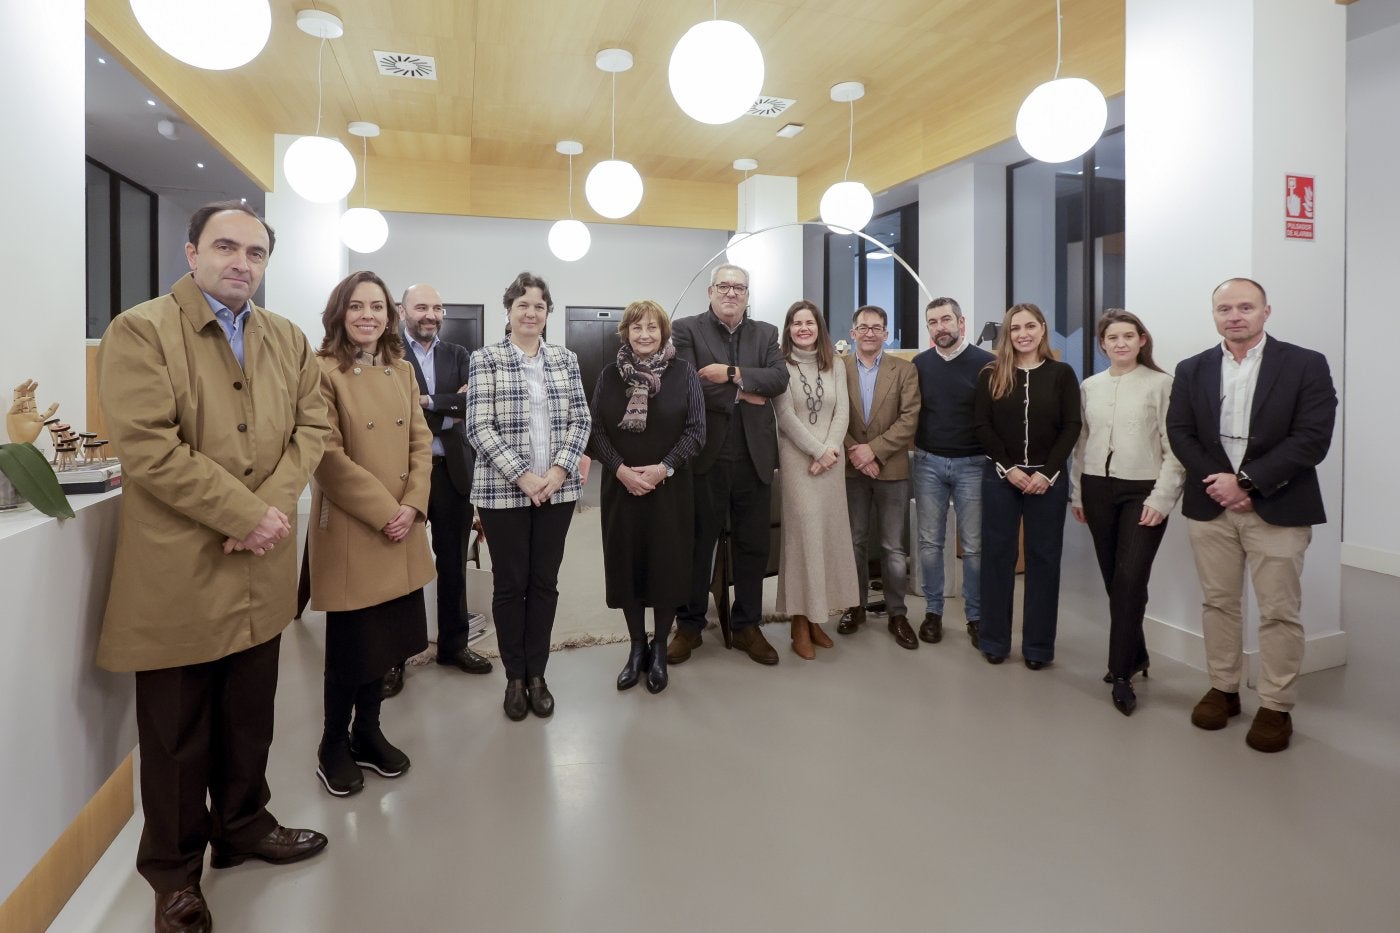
[[1125, 434], [1036, 424], [946, 388]]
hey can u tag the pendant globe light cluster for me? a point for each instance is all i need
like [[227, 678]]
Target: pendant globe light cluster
[[569, 239], [364, 229], [1062, 118], [847, 206], [213, 34], [716, 71], [613, 188], [319, 168]]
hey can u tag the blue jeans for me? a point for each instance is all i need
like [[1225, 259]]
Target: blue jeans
[[938, 480]]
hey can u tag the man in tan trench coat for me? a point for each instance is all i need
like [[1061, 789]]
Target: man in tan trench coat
[[215, 409]]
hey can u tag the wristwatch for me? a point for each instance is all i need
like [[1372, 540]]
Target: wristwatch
[[1245, 482], [731, 374]]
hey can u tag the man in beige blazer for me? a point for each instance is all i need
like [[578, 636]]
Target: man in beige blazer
[[215, 408], [884, 394]]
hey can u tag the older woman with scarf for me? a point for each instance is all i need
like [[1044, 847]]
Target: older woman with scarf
[[648, 423]]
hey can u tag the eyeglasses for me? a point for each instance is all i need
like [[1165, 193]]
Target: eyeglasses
[[725, 288], [869, 328]]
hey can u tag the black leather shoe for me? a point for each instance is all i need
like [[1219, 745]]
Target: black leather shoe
[[903, 634], [1124, 699], [541, 700], [393, 682], [282, 846], [183, 911], [516, 706], [1140, 669], [974, 633], [638, 660], [371, 750], [466, 659], [657, 675], [992, 658], [932, 629], [1035, 665], [336, 768], [851, 620]]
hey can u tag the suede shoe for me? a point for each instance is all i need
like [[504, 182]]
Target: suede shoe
[[282, 846], [517, 707], [974, 633], [852, 619], [1215, 709], [903, 634], [751, 641], [682, 644], [1270, 730], [393, 682], [465, 659], [183, 911], [932, 629], [371, 750], [336, 768]]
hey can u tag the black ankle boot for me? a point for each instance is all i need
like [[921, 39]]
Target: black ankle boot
[[637, 660], [370, 749], [1123, 696], [336, 768], [657, 676]]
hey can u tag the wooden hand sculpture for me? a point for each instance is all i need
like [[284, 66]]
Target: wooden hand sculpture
[[24, 422]]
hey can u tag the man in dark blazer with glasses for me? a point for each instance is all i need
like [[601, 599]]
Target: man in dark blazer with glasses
[[741, 370]]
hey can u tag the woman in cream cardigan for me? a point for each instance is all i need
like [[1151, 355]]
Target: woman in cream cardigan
[[817, 575], [1126, 481], [368, 550]]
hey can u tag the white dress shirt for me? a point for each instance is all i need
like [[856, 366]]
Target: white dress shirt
[[1237, 382]]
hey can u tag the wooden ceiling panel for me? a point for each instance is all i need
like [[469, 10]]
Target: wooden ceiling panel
[[943, 78]]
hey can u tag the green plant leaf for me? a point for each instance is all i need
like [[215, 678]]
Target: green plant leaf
[[34, 479]]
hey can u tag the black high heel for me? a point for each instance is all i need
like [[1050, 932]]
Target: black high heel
[[1124, 699], [638, 659], [1140, 669], [657, 676]]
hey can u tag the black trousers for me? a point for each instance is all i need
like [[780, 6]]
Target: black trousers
[[450, 515], [730, 490], [204, 728], [527, 547], [1125, 549], [1004, 510]]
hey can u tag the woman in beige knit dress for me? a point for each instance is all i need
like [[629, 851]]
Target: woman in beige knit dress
[[818, 572]]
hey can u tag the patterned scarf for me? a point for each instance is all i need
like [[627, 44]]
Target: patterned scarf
[[641, 379]]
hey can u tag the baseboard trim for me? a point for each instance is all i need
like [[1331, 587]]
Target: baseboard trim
[[1321, 652], [37, 900], [1371, 558]]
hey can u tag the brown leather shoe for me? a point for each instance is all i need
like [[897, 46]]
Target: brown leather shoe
[[751, 641], [802, 639], [932, 629], [851, 620], [903, 634], [279, 847], [1215, 709], [1270, 731], [819, 638], [183, 911], [682, 644]]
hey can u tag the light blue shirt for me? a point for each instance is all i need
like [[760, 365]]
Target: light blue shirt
[[867, 379], [234, 325], [425, 361]]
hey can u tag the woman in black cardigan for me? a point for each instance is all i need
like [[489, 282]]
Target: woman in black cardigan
[[1026, 415]]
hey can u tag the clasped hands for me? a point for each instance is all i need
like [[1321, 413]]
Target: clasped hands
[[864, 459], [827, 459], [271, 528], [540, 488], [1032, 484], [643, 479], [1225, 489]]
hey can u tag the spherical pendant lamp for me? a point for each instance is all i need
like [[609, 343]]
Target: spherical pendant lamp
[[569, 240], [613, 187], [319, 169], [363, 229], [213, 34], [1061, 119], [716, 71], [847, 207]]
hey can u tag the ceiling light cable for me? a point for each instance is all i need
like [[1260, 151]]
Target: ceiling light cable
[[1059, 38], [850, 144], [320, 91]]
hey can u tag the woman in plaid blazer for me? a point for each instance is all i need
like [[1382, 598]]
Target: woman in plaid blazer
[[528, 418]]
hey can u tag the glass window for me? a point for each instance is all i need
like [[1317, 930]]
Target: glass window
[[860, 272]]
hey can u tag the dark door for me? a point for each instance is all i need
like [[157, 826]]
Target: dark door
[[592, 334], [462, 325]]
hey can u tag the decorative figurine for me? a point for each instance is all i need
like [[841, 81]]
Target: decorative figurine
[[23, 422]]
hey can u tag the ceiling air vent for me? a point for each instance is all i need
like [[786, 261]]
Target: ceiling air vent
[[405, 65], [770, 106]]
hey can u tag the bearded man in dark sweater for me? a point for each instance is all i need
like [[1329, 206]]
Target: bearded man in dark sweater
[[947, 464]]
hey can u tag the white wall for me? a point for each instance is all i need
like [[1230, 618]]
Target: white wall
[[962, 240], [471, 260], [1369, 531]]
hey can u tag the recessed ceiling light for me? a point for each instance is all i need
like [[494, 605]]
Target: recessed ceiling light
[[199, 165], [791, 129], [101, 60], [242, 200], [150, 103]]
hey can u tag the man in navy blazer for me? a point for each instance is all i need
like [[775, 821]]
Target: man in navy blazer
[[441, 369], [741, 370], [1251, 419]]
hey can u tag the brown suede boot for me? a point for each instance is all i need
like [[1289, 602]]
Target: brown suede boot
[[802, 639], [819, 638]]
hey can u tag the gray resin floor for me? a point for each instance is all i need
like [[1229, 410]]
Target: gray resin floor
[[875, 788]]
